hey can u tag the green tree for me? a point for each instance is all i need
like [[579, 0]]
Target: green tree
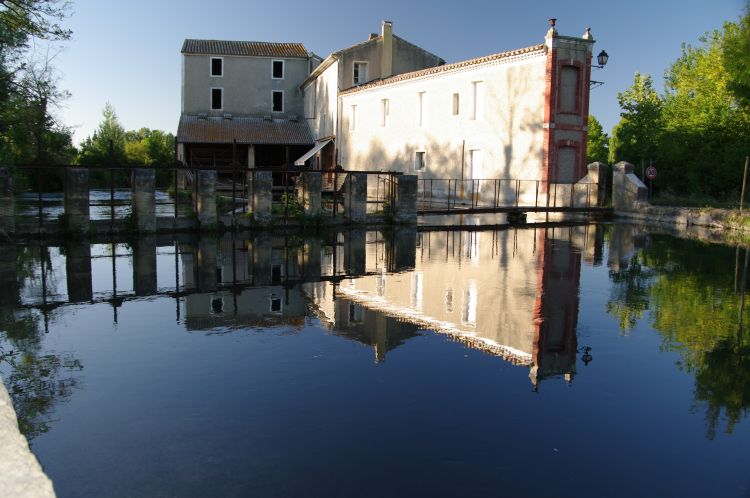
[[706, 132], [107, 144], [597, 147], [735, 51], [29, 131], [36, 18], [636, 136]]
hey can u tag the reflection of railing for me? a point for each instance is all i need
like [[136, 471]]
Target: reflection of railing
[[446, 194]]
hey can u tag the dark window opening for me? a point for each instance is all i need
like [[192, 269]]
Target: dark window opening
[[276, 274], [217, 305], [275, 304], [278, 69], [278, 101], [217, 67], [216, 99]]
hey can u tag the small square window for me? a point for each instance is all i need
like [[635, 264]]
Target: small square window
[[217, 99], [455, 104], [278, 70], [217, 66], [278, 101], [419, 161]]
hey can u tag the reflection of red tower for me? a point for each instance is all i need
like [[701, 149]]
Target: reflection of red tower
[[556, 307]]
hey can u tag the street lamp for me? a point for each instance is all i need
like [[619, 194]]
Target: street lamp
[[602, 59]]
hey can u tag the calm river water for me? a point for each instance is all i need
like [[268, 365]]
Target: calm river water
[[592, 360]]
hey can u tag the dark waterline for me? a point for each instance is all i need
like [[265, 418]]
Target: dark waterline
[[575, 361]]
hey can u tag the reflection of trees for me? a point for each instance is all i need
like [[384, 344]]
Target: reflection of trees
[[690, 289], [36, 380], [723, 381], [630, 293]]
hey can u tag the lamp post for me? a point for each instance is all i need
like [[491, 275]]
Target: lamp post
[[602, 59]]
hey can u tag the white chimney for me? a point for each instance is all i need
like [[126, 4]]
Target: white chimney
[[386, 47]]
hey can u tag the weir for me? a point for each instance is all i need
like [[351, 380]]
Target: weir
[[199, 199]]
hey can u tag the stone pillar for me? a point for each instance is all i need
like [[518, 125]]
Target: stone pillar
[[206, 201], [205, 262], [78, 271], [591, 190], [627, 189], [355, 257], [405, 208], [144, 266], [355, 197], [261, 254], [402, 249], [7, 210], [261, 201], [309, 189], [77, 198], [144, 202]]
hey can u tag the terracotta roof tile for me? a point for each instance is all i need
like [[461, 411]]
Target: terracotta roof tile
[[444, 68], [244, 48], [245, 130]]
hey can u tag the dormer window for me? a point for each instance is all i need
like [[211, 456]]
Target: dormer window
[[217, 66], [277, 70], [359, 74]]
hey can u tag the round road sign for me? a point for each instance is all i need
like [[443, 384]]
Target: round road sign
[[651, 172]]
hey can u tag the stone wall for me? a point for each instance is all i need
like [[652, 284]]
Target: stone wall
[[21, 476]]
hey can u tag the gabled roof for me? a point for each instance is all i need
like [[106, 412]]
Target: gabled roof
[[337, 54], [243, 130], [244, 48], [542, 48]]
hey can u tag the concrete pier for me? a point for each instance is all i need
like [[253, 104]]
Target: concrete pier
[[355, 197], [78, 271], [309, 189], [405, 208], [261, 199], [591, 190], [144, 266], [77, 210], [7, 210], [206, 201], [627, 189], [144, 199]]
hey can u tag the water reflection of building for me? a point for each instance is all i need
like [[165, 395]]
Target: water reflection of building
[[513, 293], [239, 283]]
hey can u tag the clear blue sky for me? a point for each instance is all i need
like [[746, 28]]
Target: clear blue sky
[[128, 53]]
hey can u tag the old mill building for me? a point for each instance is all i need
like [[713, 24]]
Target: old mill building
[[387, 105]]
